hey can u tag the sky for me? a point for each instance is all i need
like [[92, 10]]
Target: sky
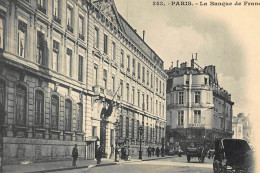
[[226, 37]]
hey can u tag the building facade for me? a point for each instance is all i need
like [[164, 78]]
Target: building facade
[[241, 127], [198, 110], [75, 72]]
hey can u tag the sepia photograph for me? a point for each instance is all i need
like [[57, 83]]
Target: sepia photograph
[[131, 86]]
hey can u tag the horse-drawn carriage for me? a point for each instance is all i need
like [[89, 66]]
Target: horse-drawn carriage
[[199, 152]]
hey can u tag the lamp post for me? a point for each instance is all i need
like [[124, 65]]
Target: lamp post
[[141, 132], [117, 128]]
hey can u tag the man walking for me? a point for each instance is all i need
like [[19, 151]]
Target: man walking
[[149, 150], [75, 155]]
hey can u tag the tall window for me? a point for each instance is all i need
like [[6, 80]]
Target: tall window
[[143, 107], [160, 109], [56, 8], [1, 31], [68, 114], [104, 78], [127, 92], [137, 127], [105, 43], [139, 70], [39, 108], [95, 75], [81, 27], [148, 77], [160, 87], [151, 104], [147, 132], [127, 127], [21, 101], [80, 118], [160, 134], [122, 59], [54, 112], [22, 31], [121, 126], [133, 129], [55, 60], [180, 118], [156, 107], [128, 63], [197, 116], [113, 84], [40, 47], [156, 84], [156, 133], [163, 89], [41, 6], [197, 97], [151, 80], [133, 95], [163, 110], [151, 133], [180, 97], [96, 39], [69, 18], [143, 74], [138, 98], [94, 130], [133, 64], [114, 50], [147, 102], [121, 88], [80, 68], [69, 62]]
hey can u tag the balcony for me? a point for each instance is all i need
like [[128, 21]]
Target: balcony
[[81, 36], [196, 125], [41, 8], [70, 28], [57, 19]]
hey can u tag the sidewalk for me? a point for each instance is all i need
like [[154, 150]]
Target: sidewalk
[[66, 165]]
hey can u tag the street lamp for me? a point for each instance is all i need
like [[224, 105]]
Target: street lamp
[[141, 132], [117, 128]]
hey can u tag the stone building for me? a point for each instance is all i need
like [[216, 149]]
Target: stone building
[[198, 110], [75, 72], [241, 127]]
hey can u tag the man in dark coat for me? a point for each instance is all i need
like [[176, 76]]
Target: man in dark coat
[[99, 155], [157, 151], [153, 149], [74, 155], [149, 150]]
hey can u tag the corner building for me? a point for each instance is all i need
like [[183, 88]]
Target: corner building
[[62, 63], [198, 109]]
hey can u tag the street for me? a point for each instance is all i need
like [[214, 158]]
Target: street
[[176, 164]]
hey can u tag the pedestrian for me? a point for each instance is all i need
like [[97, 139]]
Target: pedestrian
[[74, 155], [157, 151], [153, 149], [162, 151], [99, 155], [117, 150], [122, 152], [149, 150]]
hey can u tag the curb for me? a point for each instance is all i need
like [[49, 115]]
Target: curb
[[72, 168], [157, 158]]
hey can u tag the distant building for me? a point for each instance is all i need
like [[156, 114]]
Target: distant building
[[198, 109], [241, 127]]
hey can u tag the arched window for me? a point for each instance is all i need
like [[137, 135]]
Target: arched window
[[21, 101], [79, 118], [121, 126], [68, 114], [39, 108], [54, 112]]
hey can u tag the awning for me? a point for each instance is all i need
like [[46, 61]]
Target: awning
[[92, 139], [178, 135]]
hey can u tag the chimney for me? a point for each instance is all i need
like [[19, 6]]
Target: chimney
[[184, 65], [192, 62], [177, 64], [143, 34]]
